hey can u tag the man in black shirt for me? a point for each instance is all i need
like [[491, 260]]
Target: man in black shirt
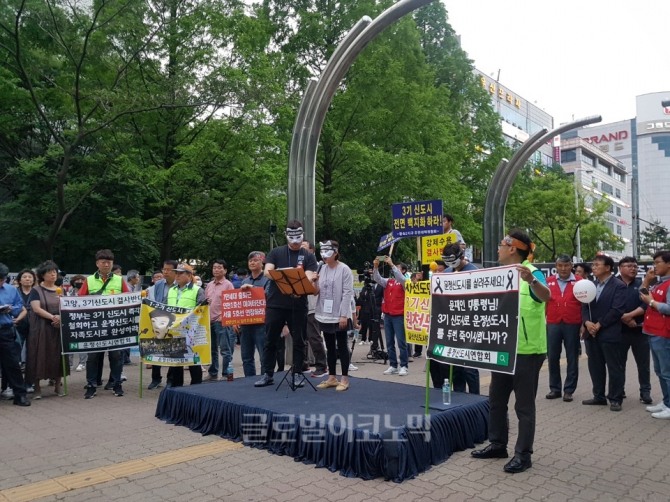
[[285, 309]]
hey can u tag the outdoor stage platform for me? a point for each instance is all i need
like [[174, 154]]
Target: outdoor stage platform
[[374, 429]]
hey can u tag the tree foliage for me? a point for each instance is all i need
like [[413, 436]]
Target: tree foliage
[[546, 204], [160, 128]]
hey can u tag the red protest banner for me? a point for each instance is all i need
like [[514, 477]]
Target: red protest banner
[[243, 306]]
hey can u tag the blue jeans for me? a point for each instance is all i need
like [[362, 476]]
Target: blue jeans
[[223, 341], [394, 327], [252, 338], [660, 354]]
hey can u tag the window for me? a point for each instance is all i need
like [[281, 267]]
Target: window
[[611, 209], [618, 211], [588, 160], [618, 229], [607, 188], [568, 156]]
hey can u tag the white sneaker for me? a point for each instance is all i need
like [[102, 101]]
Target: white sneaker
[[391, 371], [352, 367], [80, 367], [664, 415], [8, 393], [403, 371], [657, 408], [361, 343]]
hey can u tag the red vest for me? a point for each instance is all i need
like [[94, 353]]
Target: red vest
[[656, 323], [394, 298], [563, 307]]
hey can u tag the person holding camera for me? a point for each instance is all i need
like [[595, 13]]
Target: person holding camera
[[393, 308]]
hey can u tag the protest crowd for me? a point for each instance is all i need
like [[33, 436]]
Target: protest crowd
[[617, 313]]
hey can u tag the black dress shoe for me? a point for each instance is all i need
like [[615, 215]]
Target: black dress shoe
[[21, 401], [615, 407], [264, 381], [645, 397], [491, 451], [554, 394], [567, 397], [595, 401], [517, 464]]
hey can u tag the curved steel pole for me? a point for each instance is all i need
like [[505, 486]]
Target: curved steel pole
[[503, 180], [302, 172]]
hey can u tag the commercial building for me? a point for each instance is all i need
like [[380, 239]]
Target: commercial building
[[519, 118], [600, 176], [642, 146]]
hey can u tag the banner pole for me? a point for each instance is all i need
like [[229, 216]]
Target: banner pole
[[427, 383]]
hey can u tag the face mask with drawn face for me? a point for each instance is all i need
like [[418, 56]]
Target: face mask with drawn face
[[294, 235], [453, 260], [327, 249]]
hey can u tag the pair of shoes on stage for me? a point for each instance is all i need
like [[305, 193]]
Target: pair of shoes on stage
[[339, 386], [264, 381]]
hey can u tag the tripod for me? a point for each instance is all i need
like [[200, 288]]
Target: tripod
[[377, 351]]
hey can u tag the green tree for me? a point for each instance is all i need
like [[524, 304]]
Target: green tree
[[653, 238], [543, 202]]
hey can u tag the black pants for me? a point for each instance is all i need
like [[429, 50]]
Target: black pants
[[315, 342], [605, 359], [559, 335], [10, 359], [639, 343], [175, 375], [156, 374], [524, 383], [338, 338], [438, 372], [275, 320], [94, 365], [462, 377]]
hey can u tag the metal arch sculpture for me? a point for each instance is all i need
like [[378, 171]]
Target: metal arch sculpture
[[503, 179], [314, 106]]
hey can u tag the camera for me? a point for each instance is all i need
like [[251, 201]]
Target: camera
[[366, 276]]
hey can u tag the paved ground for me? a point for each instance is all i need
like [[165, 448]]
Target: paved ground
[[113, 448]]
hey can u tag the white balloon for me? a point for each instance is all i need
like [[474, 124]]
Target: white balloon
[[584, 291]]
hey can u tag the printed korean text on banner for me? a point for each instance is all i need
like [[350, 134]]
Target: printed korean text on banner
[[432, 247], [416, 219], [474, 318], [243, 306], [417, 312], [386, 240], [98, 323], [174, 336]]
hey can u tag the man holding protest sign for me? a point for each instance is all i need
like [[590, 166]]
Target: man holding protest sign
[[223, 338], [185, 294], [516, 248], [104, 282], [253, 335]]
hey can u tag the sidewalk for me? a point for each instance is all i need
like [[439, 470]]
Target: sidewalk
[[112, 448]]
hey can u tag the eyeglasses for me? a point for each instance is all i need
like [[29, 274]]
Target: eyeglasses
[[166, 270]]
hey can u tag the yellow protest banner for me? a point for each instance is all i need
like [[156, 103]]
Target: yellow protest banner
[[431, 247], [174, 336], [417, 312]]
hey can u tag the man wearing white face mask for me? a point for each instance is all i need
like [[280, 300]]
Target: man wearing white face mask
[[285, 309]]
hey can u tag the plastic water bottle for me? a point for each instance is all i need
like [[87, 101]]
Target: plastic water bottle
[[446, 392]]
